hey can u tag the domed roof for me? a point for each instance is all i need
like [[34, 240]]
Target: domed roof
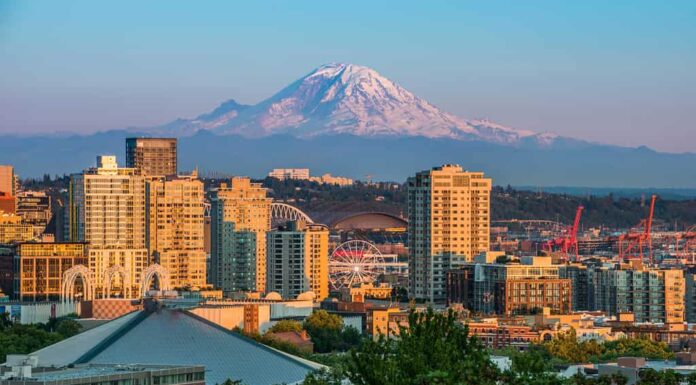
[[307, 296]]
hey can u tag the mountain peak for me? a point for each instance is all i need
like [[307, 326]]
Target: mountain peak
[[345, 98]]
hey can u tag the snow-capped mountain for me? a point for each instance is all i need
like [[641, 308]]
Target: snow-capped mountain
[[347, 99]]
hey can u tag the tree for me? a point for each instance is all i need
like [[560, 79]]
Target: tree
[[285, 326], [653, 377], [321, 319], [68, 328], [434, 349], [325, 330], [530, 368]]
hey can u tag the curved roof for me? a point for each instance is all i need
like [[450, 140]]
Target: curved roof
[[370, 221]]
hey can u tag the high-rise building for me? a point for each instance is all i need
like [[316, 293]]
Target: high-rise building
[[448, 223], [107, 210], [510, 288], [13, 229], [40, 268], [35, 208], [579, 276], [240, 213], [152, 156], [297, 260], [176, 228], [8, 180]]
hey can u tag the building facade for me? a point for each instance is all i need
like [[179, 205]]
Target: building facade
[[8, 180], [298, 260], [108, 211], [240, 213], [448, 223], [579, 276], [175, 231], [35, 208], [13, 229], [152, 156], [652, 295], [511, 289], [39, 268], [289, 173]]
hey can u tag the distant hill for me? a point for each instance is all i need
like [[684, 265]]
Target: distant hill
[[328, 203], [384, 158]]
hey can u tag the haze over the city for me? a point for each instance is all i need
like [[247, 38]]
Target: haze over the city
[[612, 72]]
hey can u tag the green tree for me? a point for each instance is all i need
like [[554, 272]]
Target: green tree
[[653, 377], [434, 349], [68, 328], [325, 330], [285, 326], [531, 368]]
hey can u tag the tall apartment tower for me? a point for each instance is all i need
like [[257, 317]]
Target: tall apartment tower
[[298, 260], [152, 156], [240, 215], [175, 231], [448, 222], [107, 210], [8, 183]]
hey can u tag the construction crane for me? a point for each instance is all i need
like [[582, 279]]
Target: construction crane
[[567, 244], [687, 241], [636, 243]]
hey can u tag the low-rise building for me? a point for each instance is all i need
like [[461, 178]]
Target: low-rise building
[[23, 370], [497, 335], [510, 288], [39, 268], [14, 230]]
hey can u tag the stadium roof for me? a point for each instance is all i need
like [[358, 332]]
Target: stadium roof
[[178, 337], [370, 221]]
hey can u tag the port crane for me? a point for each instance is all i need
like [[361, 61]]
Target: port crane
[[687, 241], [567, 244], [636, 243]]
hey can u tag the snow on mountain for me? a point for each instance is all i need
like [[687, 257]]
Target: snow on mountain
[[342, 98]]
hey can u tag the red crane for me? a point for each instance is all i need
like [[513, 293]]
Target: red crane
[[567, 244], [637, 241]]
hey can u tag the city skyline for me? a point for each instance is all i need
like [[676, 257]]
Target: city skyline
[[619, 76]]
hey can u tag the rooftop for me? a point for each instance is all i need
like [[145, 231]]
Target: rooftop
[[177, 337]]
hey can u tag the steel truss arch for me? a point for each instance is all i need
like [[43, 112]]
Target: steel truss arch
[[152, 271], [283, 212], [110, 273], [69, 278]]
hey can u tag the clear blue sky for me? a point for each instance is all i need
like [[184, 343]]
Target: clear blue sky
[[619, 72]]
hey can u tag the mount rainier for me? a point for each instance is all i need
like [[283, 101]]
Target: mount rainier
[[346, 99]]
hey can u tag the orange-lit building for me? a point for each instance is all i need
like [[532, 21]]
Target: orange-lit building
[[386, 321], [40, 268], [498, 336], [510, 289]]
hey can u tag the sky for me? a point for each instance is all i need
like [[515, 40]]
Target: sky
[[618, 72]]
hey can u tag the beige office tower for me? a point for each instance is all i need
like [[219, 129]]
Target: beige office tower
[[176, 228], [449, 220], [241, 208], [152, 156], [107, 210], [7, 180]]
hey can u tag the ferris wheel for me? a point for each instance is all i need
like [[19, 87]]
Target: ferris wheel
[[355, 262]]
